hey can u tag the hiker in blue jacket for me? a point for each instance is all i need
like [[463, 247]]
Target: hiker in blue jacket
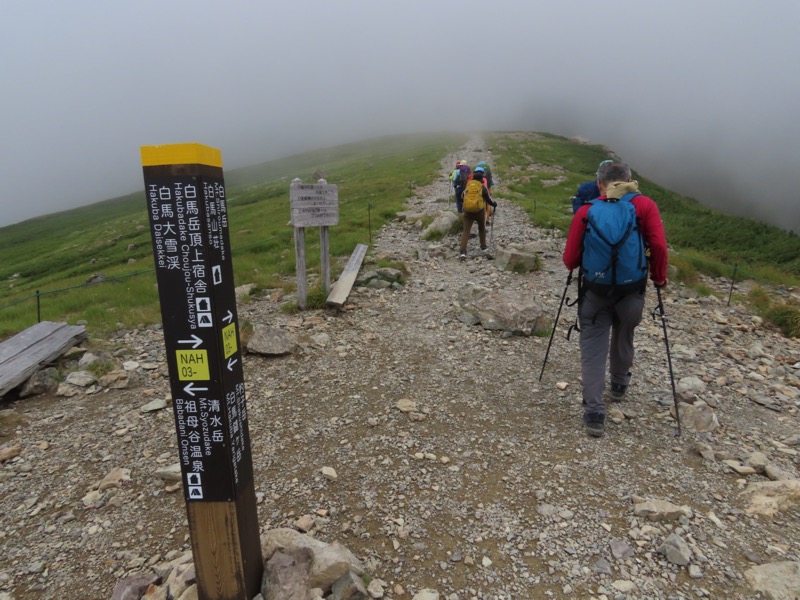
[[587, 191]]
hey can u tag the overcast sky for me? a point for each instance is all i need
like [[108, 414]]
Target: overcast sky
[[701, 95]]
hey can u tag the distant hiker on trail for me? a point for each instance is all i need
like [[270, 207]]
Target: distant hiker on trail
[[587, 191], [459, 182], [613, 282], [453, 175], [479, 171], [487, 176], [476, 197]]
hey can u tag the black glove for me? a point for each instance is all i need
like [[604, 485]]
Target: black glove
[[492, 203]]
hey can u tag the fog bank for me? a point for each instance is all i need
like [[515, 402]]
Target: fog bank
[[699, 96]]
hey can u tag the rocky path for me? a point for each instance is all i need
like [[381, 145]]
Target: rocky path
[[457, 470]]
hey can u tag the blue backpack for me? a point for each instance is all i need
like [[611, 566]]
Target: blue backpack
[[613, 260]]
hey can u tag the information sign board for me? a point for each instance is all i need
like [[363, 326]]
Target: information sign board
[[314, 204]]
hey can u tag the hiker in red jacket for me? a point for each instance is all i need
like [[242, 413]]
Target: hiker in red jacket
[[614, 312]]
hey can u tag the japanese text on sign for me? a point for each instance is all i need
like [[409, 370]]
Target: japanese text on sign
[[189, 226], [314, 204]]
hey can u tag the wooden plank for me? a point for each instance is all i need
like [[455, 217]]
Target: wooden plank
[[26, 338], [341, 289], [28, 351]]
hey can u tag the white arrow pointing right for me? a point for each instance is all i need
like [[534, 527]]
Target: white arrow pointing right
[[196, 341]]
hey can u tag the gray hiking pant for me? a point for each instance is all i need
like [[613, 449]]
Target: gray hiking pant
[[598, 315]]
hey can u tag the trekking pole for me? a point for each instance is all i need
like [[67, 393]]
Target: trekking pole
[[491, 231], [733, 278], [558, 314], [450, 191], [660, 309]]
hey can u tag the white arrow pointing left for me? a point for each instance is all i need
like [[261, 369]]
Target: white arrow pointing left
[[231, 362], [191, 389]]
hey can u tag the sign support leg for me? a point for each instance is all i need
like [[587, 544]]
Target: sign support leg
[[325, 257], [300, 260]]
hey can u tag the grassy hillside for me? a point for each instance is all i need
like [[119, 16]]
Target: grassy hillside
[[57, 254], [542, 171]]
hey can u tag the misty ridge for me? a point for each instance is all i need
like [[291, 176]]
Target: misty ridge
[[58, 256]]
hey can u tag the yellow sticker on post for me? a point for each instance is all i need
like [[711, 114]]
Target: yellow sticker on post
[[229, 345], [193, 365]]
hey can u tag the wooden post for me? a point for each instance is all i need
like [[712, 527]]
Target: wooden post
[[300, 265], [187, 209], [325, 250], [325, 257]]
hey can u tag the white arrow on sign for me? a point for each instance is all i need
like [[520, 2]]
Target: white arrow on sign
[[228, 318], [231, 362], [191, 389], [195, 340]]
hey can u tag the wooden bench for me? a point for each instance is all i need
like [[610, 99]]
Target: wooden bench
[[30, 350], [341, 289]]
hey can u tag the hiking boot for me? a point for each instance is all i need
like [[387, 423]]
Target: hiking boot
[[595, 424], [617, 392], [462, 257]]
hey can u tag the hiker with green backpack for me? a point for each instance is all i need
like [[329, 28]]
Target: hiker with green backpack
[[609, 240], [474, 200], [489, 180]]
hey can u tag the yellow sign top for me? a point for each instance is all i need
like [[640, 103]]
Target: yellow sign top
[[181, 154]]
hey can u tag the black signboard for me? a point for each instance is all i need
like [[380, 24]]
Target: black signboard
[[187, 209]]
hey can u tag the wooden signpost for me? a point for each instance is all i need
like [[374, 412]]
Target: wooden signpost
[[312, 205], [187, 209]]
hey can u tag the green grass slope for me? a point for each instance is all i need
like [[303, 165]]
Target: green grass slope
[[55, 255], [47, 261], [543, 171]]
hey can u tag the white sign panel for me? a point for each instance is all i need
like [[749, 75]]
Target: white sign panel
[[314, 204]]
